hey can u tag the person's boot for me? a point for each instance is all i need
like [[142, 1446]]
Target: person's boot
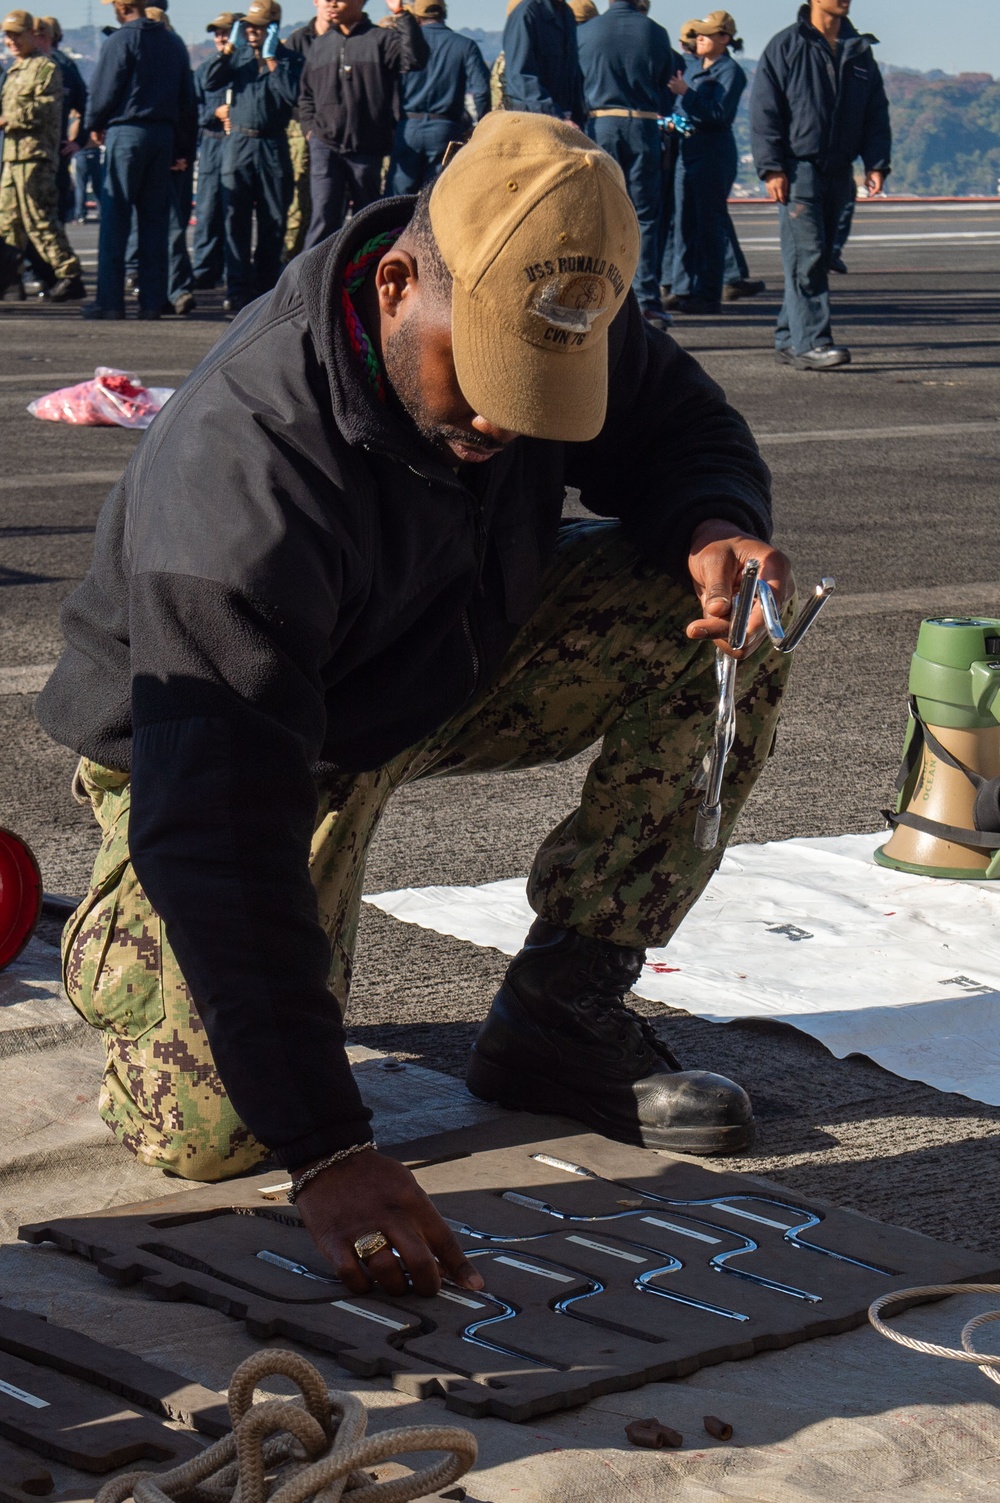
[[697, 305], [559, 1038], [67, 290], [825, 357], [744, 287], [10, 267]]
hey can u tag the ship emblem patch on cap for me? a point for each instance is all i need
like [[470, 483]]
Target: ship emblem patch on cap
[[572, 304]]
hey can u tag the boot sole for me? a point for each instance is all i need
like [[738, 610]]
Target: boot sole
[[525, 1093]]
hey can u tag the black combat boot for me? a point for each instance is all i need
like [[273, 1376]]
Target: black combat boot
[[10, 266], [559, 1038]]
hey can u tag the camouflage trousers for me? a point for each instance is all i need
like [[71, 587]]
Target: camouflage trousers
[[604, 658], [29, 210], [300, 208]]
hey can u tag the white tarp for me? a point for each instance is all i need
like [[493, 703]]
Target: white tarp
[[903, 969]]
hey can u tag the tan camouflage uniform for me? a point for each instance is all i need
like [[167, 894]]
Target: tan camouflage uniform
[[300, 209], [31, 106], [605, 659], [498, 91]]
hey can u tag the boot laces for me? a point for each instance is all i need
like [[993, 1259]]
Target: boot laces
[[609, 977]]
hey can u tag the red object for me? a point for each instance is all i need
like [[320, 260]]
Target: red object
[[20, 896], [112, 398]]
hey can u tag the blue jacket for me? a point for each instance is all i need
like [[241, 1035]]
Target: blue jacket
[[208, 101], [74, 88], [806, 107], [142, 77], [626, 61], [263, 99], [713, 95], [455, 67], [542, 70]]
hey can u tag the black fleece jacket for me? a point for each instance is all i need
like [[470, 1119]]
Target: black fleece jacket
[[287, 576], [349, 83]]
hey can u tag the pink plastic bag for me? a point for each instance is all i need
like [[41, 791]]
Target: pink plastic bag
[[113, 398]]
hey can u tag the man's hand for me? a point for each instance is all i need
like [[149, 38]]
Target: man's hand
[[180, 165], [97, 138], [718, 553], [874, 182], [371, 1193], [776, 184], [222, 113]]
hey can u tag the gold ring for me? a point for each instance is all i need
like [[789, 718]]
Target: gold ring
[[368, 1245]]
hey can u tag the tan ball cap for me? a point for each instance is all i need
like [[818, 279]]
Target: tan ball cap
[[262, 13], [428, 9], [536, 228], [225, 20], [714, 24], [583, 10], [16, 21]]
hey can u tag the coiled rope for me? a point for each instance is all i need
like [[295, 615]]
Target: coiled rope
[[307, 1449], [988, 1364]]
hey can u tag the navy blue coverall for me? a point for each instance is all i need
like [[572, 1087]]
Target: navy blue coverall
[[179, 276], [208, 260], [706, 171], [627, 62], [142, 96], [542, 69], [813, 111], [432, 103], [74, 98], [256, 166]]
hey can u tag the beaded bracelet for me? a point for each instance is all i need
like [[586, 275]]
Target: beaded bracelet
[[298, 1185]]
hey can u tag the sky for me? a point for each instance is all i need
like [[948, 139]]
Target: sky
[[913, 33]]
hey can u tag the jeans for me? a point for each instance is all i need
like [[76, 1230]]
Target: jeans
[[418, 153], [180, 277], [635, 146], [845, 224], [209, 256], [136, 175], [87, 172], [736, 268], [336, 179], [809, 225], [257, 179], [669, 152]]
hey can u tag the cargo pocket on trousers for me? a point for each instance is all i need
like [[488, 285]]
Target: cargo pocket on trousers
[[113, 958]]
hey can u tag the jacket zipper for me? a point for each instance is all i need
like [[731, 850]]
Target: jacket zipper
[[473, 652]]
